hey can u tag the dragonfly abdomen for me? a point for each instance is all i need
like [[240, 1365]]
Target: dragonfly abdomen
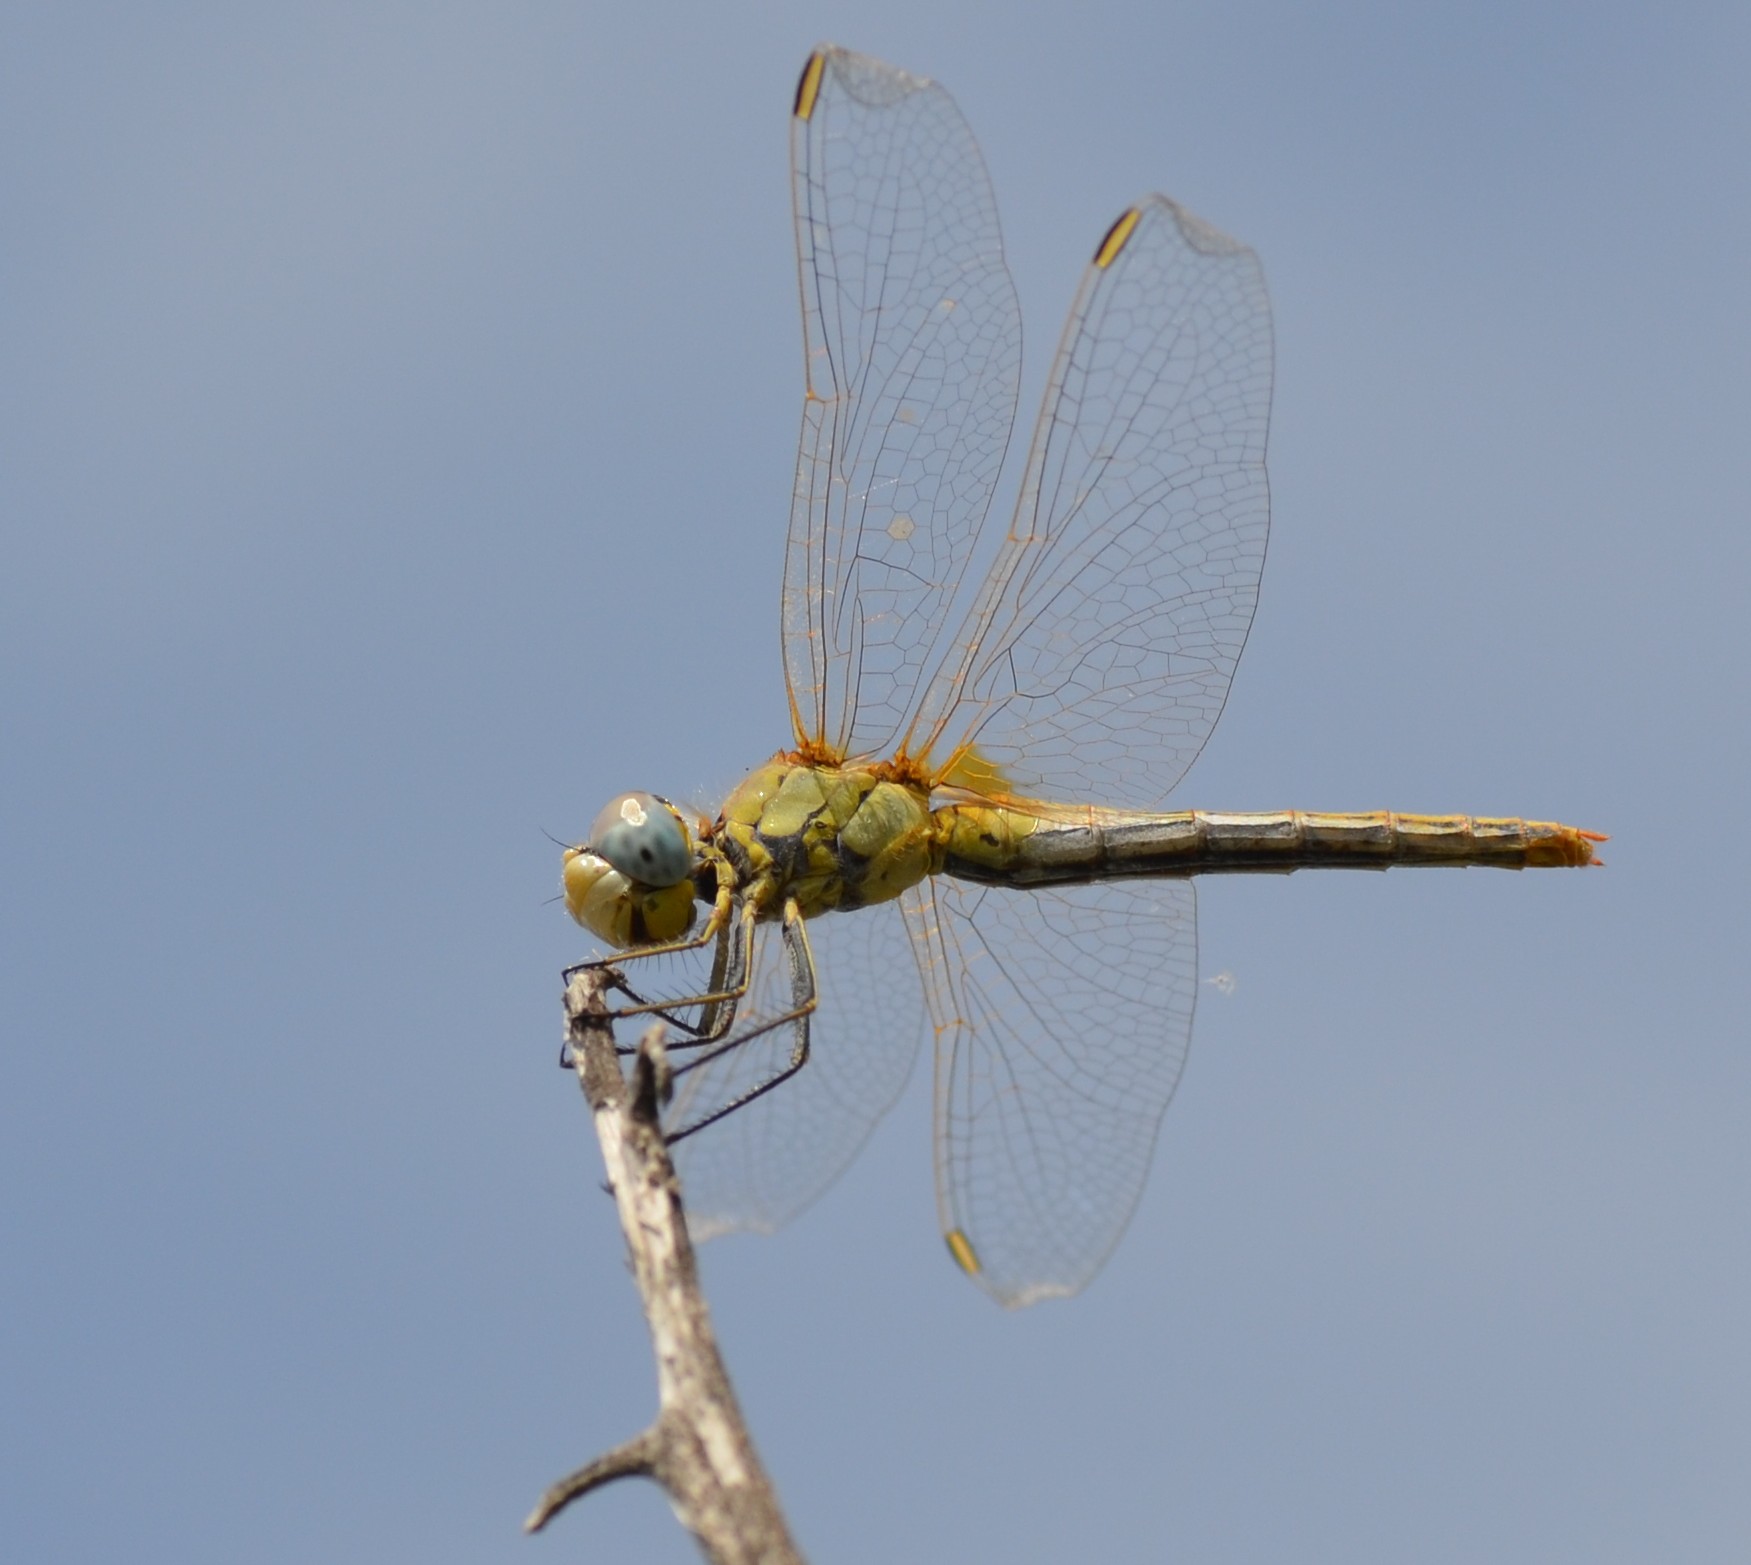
[[1009, 847]]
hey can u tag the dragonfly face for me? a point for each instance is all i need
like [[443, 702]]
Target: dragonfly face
[[632, 884]]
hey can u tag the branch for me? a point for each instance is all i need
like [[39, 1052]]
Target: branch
[[698, 1448]]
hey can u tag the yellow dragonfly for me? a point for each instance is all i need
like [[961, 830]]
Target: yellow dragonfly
[[965, 836]]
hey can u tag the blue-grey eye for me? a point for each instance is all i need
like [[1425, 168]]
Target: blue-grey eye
[[642, 837]]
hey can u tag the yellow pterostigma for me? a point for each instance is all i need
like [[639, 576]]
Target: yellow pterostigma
[[965, 837]]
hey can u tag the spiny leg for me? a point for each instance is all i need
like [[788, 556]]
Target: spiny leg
[[717, 1016], [731, 969], [805, 998]]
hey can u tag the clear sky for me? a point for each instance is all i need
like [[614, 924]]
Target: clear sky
[[398, 414]]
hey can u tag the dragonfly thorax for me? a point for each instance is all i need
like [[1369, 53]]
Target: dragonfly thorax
[[828, 836]]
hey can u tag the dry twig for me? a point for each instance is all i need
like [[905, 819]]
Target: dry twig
[[698, 1448]]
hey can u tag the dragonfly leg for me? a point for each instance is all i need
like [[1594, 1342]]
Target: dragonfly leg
[[805, 998], [731, 965], [727, 985]]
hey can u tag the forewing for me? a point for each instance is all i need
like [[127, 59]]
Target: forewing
[[760, 1165], [912, 341], [1063, 1018], [1099, 652]]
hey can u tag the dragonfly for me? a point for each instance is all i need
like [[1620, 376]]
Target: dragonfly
[[965, 838]]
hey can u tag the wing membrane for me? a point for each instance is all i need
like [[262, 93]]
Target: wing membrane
[[761, 1165], [1063, 1018], [912, 341], [1099, 652], [1091, 667]]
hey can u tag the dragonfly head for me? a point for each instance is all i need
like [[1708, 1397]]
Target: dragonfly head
[[632, 883]]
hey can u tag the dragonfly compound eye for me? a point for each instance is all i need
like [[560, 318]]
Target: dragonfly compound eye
[[643, 837]]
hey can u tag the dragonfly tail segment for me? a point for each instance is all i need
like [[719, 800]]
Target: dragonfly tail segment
[[1008, 846]]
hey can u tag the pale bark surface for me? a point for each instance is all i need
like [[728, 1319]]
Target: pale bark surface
[[698, 1447]]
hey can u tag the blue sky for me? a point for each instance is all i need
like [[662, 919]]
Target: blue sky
[[396, 429]]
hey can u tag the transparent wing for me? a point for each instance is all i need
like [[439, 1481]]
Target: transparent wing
[[912, 340], [1098, 654], [1063, 1021], [761, 1165]]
